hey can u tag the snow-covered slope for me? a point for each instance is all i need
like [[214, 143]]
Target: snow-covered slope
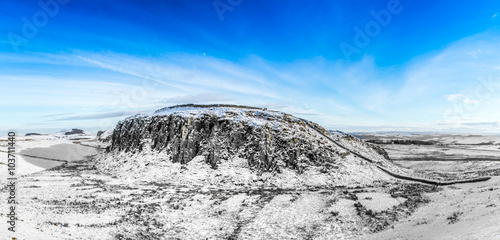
[[267, 141]]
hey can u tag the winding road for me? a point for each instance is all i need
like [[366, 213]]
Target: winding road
[[397, 175]]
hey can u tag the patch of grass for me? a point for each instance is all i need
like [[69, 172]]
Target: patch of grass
[[378, 221], [454, 217], [59, 224]]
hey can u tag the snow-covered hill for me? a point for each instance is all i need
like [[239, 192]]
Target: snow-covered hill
[[232, 172], [221, 135]]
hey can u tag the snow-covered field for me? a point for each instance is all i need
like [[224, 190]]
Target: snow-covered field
[[466, 139], [467, 211], [450, 152], [53, 146], [142, 196], [76, 201], [464, 211], [24, 143]]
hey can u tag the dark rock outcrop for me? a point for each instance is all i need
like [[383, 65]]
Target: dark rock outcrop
[[380, 151], [269, 140], [74, 131], [32, 134], [103, 136]]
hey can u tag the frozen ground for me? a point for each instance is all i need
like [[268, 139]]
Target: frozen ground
[[467, 211], [75, 201], [193, 201], [23, 143], [460, 154], [468, 139], [36, 153], [449, 152]]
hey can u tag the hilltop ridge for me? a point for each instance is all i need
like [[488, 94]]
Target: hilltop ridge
[[261, 140]]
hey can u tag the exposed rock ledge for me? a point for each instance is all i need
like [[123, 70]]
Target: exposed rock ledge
[[269, 140]]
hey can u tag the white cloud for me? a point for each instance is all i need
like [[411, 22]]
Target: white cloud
[[189, 73], [474, 53], [333, 93], [198, 98], [461, 98], [471, 101], [454, 97]]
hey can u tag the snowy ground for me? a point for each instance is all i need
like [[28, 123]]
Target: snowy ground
[[467, 139], [450, 152], [467, 211], [77, 202], [458, 154], [24, 143], [90, 199]]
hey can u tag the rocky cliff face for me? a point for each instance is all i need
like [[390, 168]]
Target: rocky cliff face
[[268, 140]]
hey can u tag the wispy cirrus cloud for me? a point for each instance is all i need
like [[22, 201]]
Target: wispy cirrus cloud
[[55, 115], [97, 116], [189, 73], [454, 98], [198, 98], [331, 92], [492, 124]]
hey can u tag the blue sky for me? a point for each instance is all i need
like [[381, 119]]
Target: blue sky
[[349, 65]]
